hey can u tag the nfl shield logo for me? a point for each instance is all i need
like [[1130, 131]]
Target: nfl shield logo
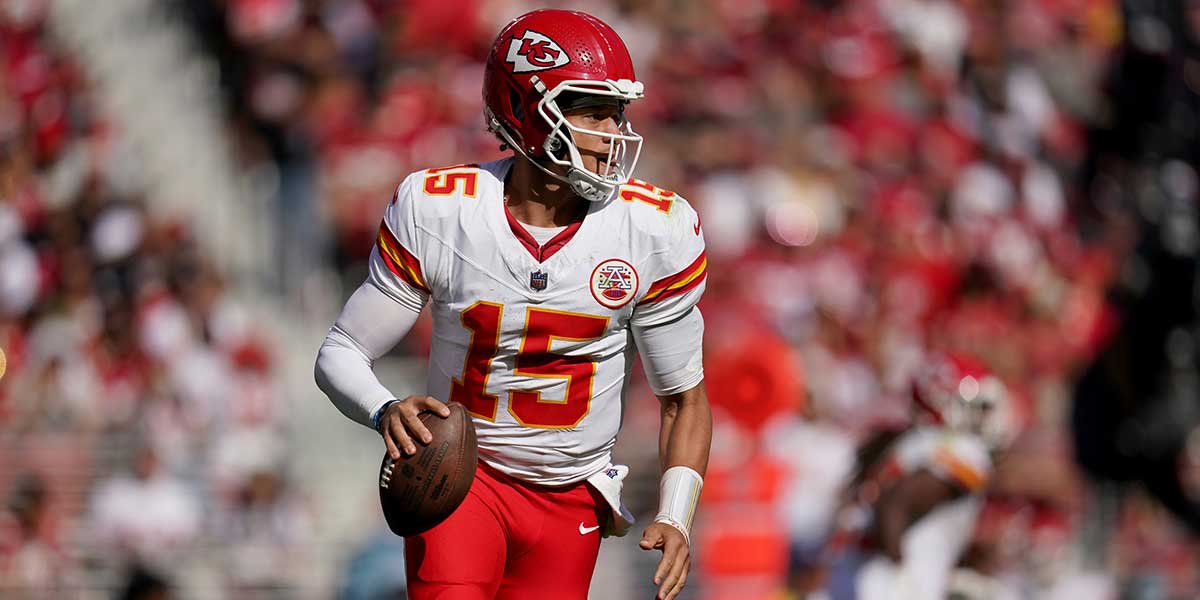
[[537, 280]]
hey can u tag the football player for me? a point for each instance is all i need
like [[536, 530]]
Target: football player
[[912, 504], [543, 272]]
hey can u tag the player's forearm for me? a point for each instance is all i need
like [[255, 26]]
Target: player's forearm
[[370, 324], [906, 503], [683, 454], [344, 373], [686, 430], [891, 519]]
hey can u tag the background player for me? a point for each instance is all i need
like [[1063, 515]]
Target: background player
[[541, 269], [914, 500]]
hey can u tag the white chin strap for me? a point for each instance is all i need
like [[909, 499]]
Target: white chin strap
[[586, 187]]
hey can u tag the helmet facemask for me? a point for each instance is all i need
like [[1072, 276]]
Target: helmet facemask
[[624, 146], [979, 407]]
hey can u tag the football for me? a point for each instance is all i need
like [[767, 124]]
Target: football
[[417, 492]]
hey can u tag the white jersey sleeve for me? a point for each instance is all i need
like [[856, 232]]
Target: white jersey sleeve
[[672, 353], [378, 315], [395, 266], [371, 323], [957, 458], [964, 460], [677, 268]]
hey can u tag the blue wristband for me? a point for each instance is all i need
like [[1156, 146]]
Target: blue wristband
[[379, 413]]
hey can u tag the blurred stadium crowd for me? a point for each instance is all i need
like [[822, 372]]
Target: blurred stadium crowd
[[879, 181], [126, 360]]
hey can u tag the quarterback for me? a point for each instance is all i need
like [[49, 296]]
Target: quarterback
[[544, 271]]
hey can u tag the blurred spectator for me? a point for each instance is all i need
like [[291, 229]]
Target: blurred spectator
[[266, 534], [114, 325], [33, 563], [146, 517], [142, 584], [819, 457]]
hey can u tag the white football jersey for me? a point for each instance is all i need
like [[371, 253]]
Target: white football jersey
[[956, 457], [932, 545], [535, 340]]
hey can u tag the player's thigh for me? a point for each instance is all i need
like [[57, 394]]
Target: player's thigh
[[560, 564], [460, 559]]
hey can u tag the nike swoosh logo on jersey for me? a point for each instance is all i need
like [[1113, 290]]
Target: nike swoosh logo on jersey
[[586, 530], [697, 228]]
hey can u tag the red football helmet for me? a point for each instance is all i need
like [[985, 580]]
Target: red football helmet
[[542, 58], [959, 392]]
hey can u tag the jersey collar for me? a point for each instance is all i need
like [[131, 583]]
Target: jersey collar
[[552, 246], [543, 252]]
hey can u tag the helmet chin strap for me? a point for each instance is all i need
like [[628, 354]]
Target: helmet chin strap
[[586, 189]]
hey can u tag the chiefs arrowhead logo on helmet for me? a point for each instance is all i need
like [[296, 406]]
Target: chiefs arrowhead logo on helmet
[[535, 52]]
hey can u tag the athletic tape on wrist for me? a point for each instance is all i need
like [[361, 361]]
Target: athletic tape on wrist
[[678, 493], [687, 537]]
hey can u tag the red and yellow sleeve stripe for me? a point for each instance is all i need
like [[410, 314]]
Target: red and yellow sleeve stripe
[[964, 474], [400, 261], [680, 283]]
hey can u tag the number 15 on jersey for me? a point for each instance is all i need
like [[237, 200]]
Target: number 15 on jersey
[[535, 359]]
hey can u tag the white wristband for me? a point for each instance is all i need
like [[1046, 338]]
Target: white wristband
[[678, 493]]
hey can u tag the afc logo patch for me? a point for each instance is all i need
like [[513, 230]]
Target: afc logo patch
[[614, 283], [534, 52]]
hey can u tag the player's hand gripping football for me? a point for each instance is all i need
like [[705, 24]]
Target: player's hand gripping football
[[672, 571], [399, 424]]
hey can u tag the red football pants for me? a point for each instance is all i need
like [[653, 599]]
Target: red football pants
[[509, 540]]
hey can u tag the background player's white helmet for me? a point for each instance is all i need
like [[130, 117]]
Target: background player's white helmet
[[962, 394]]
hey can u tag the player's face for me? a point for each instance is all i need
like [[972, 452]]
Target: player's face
[[593, 148]]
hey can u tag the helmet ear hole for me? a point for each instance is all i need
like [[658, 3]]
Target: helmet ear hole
[[514, 100], [555, 145]]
